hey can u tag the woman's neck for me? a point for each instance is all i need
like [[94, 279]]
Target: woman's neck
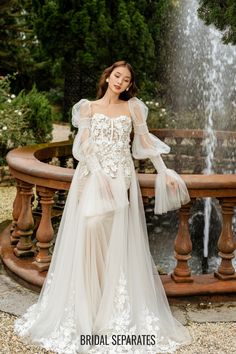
[[110, 97]]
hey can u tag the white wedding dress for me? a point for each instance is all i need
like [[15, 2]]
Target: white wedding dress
[[102, 279]]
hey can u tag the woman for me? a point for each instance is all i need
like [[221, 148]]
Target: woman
[[102, 293]]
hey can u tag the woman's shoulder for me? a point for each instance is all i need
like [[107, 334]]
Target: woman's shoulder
[[81, 105], [136, 102], [138, 109], [80, 110], [82, 101]]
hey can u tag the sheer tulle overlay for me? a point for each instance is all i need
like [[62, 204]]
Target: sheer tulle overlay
[[102, 282]]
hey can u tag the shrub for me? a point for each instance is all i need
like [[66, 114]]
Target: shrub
[[39, 114], [24, 120], [158, 115]]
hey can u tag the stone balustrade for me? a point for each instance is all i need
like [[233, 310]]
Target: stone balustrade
[[26, 244]]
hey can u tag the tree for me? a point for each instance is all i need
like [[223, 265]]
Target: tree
[[20, 51], [12, 35], [86, 36], [221, 13]]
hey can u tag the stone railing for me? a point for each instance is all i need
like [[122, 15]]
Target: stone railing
[[39, 180]]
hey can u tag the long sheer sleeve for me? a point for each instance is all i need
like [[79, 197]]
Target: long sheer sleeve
[[109, 196], [83, 148], [170, 190]]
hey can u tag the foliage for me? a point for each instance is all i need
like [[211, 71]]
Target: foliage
[[13, 45], [21, 51], [18, 125], [84, 37], [158, 115], [14, 126], [222, 14], [66, 45], [54, 95], [39, 114], [92, 33]]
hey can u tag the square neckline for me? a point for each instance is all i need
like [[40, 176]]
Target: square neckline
[[107, 116]]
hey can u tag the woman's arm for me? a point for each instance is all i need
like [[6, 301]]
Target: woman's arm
[[170, 189], [83, 148]]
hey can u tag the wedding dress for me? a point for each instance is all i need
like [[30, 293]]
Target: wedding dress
[[102, 280]]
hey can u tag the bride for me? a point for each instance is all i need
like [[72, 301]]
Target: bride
[[102, 293]]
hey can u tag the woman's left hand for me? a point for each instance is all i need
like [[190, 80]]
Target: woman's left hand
[[171, 182]]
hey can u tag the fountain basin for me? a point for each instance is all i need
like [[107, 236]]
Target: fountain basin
[[26, 243]]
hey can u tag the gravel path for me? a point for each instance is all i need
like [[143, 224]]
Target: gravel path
[[208, 337], [7, 195], [211, 338], [12, 344], [214, 338]]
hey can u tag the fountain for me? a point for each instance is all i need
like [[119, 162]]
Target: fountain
[[197, 80], [202, 87]]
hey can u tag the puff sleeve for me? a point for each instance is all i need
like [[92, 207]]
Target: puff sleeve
[[168, 196], [103, 195], [83, 148]]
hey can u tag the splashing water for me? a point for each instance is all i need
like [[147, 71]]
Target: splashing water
[[214, 104], [202, 82]]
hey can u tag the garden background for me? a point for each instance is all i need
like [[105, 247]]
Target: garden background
[[53, 52]]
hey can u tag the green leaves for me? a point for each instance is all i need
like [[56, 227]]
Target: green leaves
[[222, 14], [95, 32], [39, 113], [24, 119], [76, 40]]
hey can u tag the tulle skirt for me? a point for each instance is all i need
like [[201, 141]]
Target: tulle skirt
[[102, 293]]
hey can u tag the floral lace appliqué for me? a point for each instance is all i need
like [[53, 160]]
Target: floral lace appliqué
[[111, 137], [66, 337], [121, 324]]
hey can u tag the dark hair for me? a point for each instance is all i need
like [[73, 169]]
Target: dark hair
[[102, 84]]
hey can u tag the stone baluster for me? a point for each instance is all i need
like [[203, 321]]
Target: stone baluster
[[44, 234], [14, 237], [183, 248], [25, 223], [75, 163], [38, 209], [141, 166], [219, 161], [178, 158], [61, 194], [226, 243], [198, 161]]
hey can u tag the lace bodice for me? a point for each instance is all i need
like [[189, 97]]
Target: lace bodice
[[103, 143], [111, 139]]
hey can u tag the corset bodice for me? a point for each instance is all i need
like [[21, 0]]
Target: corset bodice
[[111, 138]]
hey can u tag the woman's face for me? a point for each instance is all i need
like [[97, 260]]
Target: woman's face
[[120, 79]]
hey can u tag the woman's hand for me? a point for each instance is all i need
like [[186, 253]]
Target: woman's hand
[[171, 182]]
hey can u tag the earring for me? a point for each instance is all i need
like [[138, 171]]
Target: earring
[[107, 80], [127, 89]]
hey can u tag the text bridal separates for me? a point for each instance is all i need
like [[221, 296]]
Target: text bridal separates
[[102, 280]]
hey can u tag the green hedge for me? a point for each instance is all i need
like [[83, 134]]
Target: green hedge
[[24, 119]]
